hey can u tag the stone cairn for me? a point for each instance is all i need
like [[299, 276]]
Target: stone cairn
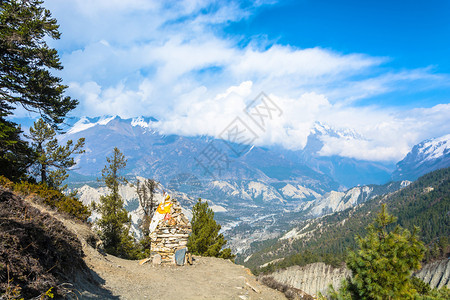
[[171, 234]]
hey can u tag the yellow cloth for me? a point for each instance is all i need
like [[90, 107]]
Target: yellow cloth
[[164, 208]]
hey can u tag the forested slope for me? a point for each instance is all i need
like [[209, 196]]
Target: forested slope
[[425, 203]]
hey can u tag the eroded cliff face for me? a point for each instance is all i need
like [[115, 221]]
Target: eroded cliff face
[[312, 278], [436, 274], [317, 277]]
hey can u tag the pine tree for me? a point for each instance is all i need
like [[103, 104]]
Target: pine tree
[[114, 223], [15, 154], [52, 160], [205, 239], [26, 61], [383, 265]]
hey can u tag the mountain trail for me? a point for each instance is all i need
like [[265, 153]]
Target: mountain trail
[[207, 278]]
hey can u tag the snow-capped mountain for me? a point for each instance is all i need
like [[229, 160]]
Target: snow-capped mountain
[[167, 157], [150, 153], [255, 195], [208, 168], [424, 157], [348, 172]]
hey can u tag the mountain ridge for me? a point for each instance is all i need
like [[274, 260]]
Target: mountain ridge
[[307, 161], [424, 203], [424, 157]]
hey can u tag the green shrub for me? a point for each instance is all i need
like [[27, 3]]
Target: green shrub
[[205, 239], [51, 197]]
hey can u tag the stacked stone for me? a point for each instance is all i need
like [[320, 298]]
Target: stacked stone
[[170, 235]]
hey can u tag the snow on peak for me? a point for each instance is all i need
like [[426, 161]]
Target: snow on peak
[[321, 128], [435, 148], [105, 120], [327, 130], [139, 121], [81, 125], [86, 123]]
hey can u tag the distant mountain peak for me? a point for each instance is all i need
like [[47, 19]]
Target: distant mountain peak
[[322, 129], [427, 156], [434, 148], [144, 122], [85, 123]]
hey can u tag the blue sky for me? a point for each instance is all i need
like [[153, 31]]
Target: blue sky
[[411, 34], [379, 68]]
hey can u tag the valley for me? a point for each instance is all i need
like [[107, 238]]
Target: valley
[[259, 197]]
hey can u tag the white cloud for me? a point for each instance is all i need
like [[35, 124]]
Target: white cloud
[[388, 133], [382, 134], [308, 63], [169, 60], [197, 114]]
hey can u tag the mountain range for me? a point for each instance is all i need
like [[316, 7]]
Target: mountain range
[[189, 161], [257, 193], [153, 154]]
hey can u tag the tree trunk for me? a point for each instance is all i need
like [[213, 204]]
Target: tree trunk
[[44, 174]]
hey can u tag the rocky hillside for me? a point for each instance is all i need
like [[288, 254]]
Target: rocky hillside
[[436, 274], [316, 278], [335, 201], [312, 278]]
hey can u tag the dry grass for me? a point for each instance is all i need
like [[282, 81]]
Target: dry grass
[[37, 253]]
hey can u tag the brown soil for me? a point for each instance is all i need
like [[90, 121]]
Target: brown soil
[[207, 278], [114, 278]]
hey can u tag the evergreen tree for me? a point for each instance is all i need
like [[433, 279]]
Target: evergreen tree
[[383, 265], [26, 61], [15, 154], [53, 160], [115, 222], [205, 239]]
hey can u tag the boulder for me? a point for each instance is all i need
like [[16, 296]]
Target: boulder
[[156, 259], [180, 254]]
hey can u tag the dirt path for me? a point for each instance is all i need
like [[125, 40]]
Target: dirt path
[[207, 278]]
